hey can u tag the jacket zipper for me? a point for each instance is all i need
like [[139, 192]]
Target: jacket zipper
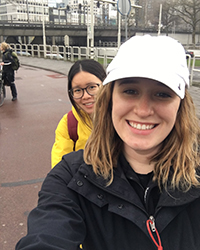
[[150, 223], [151, 227], [145, 195]]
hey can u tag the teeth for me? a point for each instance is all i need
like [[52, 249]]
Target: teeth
[[141, 127], [88, 104]]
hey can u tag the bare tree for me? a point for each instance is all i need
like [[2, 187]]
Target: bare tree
[[169, 17], [189, 12]]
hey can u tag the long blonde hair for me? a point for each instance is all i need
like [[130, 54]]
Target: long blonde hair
[[179, 151]]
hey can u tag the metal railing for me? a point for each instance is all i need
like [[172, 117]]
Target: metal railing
[[104, 55], [193, 68], [67, 53]]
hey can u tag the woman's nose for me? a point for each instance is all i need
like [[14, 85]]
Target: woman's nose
[[144, 106]]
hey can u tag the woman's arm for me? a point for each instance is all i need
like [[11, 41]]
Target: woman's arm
[[57, 222]]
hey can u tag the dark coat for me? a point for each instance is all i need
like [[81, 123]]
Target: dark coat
[[75, 207], [8, 74]]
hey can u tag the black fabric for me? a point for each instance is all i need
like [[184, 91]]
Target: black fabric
[[147, 190], [13, 90], [77, 207], [8, 74], [145, 179]]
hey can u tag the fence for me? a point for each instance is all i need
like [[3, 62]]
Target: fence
[[68, 53], [73, 53], [193, 68]]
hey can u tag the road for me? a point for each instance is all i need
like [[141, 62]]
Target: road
[[26, 136]]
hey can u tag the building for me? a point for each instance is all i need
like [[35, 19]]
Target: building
[[24, 11]]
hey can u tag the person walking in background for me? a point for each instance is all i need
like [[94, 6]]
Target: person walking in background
[[8, 74], [136, 184], [84, 80]]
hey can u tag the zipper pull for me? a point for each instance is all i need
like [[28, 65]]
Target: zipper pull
[[152, 224], [151, 227]]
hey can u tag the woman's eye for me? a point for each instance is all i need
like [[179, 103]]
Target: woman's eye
[[163, 95], [92, 87], [76, 90], [130, 91]]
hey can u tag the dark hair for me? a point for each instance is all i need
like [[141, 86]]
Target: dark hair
[[88, 65]]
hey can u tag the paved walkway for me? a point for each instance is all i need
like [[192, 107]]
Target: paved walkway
[[58, 66], [27, 133], [63, 67]]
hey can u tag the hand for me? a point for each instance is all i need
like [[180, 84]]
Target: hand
[[2, 63]]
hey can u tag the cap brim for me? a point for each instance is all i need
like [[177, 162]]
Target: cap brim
[[168, 79]]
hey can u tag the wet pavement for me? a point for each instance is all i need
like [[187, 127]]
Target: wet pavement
[[27, 129]]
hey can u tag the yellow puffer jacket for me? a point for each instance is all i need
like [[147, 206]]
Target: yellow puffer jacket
[[63, 144]]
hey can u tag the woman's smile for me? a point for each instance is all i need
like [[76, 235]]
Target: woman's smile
[[141, 126]]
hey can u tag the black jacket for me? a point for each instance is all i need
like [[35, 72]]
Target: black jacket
[[8, 74], [75, 207]]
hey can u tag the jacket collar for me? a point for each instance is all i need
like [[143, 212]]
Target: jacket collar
[[80, 120], [121, 188], [95, 189]]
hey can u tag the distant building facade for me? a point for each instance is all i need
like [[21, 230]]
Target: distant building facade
[[24, 11]]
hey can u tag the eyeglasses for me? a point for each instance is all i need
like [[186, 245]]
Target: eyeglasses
[[91, 89]]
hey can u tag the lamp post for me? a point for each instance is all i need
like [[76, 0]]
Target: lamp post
[[27, 9], [43, 30], [119, 30], [92, 30], [160, 17], [124, 8]]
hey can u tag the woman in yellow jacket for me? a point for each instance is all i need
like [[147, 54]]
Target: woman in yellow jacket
[[84, 79]]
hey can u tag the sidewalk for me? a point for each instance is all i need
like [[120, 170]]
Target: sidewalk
[[59, 66], [62, 67]]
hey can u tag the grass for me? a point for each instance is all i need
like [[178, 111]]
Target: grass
[[197, 63], [100, 60]]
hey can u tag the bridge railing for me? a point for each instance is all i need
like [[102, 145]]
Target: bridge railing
[[194, 68], [104, 55], [67, 53]]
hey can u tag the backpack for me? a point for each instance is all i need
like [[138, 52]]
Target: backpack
[[72, 127], [15, 64]]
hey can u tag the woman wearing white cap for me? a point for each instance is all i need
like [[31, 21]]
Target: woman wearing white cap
[[136, 185]]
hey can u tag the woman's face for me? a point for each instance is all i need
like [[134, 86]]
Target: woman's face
[[82, 80], [143, 112]]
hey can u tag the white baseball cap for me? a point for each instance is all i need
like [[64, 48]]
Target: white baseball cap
[[160, 58]]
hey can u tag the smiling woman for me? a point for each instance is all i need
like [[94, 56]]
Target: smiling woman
[[136, 184], [84, 79]]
